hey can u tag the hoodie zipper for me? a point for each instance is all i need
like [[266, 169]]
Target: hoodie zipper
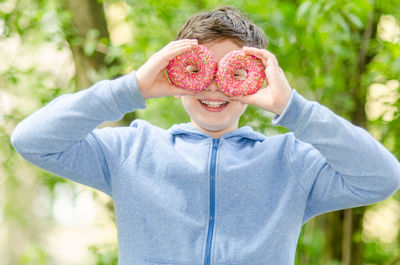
[[215, 144]]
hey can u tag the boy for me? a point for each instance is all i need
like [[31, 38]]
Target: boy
[[209, 192]]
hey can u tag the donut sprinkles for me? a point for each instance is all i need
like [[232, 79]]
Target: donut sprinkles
[[194, 70], [237, 60]]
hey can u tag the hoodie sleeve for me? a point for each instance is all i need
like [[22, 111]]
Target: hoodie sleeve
[[61, 136], [339, 165]]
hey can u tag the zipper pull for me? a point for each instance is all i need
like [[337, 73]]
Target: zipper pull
[[215, 143]]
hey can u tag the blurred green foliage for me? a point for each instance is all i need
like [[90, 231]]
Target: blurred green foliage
[[322, 46], [105, 254]]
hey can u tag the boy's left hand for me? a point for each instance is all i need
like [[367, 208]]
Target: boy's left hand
[[275, 96]]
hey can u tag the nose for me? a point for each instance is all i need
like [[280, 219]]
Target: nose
[[212, 87]]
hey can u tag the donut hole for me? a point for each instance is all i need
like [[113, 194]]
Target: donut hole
[[192, 68], [240, 74]]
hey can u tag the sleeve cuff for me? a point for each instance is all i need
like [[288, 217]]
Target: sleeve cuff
[[290, 117], [127, 93]]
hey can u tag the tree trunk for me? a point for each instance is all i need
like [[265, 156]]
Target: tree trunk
[[89, 15], [332, 225], [345, 227], [86, 15]]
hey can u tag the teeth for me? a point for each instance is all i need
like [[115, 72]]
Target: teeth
[[213, 104]]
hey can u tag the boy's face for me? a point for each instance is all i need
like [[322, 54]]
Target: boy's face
[[211, 110]]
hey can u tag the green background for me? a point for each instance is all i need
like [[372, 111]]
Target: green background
[[343, 54]]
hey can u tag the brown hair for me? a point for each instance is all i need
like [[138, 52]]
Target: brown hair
[[223, 23]]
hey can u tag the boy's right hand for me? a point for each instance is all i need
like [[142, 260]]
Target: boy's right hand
[[151, 77]]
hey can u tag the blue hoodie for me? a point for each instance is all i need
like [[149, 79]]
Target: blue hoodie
[[182, 197]]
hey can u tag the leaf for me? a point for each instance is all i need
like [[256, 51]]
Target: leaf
[[91, 41], [355, 20], [303, 10], [342, 23]]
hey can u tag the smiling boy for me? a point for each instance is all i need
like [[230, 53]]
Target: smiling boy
[[208, 192]]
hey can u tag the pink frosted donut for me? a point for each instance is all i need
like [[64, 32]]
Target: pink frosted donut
[[249, 83], [194, 70]]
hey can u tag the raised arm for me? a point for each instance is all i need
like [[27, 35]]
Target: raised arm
[[350, 167], [62, 139], [339, 165]]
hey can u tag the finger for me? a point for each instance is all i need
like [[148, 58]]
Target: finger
[[257, 53], [181, 41], [169, 54], [271, 57], [272, 72], [168, 49], [163, 57], [178, 46], [175, 46], [266, 56]]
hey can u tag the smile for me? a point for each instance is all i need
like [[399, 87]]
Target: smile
[[214, 104]]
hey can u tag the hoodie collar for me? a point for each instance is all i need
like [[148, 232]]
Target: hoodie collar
[[243, 132]]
